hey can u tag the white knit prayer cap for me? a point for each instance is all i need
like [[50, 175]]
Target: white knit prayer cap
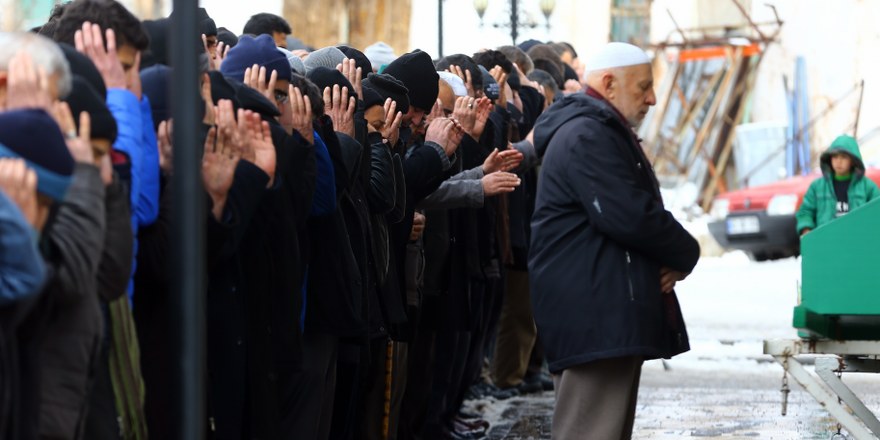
[[617, 55], [454, 81]]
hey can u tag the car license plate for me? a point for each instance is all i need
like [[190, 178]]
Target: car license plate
[[743, 225]]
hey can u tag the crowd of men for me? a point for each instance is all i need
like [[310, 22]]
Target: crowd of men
[[368, 230]]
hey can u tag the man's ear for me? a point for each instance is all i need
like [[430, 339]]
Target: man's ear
[[609, 82]]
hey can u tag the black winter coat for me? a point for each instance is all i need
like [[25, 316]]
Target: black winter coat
[[600, 235]]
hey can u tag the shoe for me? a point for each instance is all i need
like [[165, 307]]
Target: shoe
[[530, 387], [500, 393], [542, 379], [472, 423], [463, 432]]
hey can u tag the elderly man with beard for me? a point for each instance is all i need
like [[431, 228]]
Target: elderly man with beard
[[605, 253]]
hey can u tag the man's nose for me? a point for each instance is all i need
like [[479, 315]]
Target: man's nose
[[652, 98]]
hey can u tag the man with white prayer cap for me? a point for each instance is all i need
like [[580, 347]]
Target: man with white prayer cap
[[605, 254]]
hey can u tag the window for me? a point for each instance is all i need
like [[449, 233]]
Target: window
[[631, 21]]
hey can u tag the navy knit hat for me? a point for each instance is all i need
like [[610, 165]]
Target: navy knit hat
[[416, 71], [389, 87], [32, 135], [249, 51], [155, 82], [325, 77], [84, 98]]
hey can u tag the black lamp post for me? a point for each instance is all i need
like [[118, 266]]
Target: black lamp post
[[515, 22]]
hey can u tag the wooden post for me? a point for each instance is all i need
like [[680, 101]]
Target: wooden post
[[317, 22]]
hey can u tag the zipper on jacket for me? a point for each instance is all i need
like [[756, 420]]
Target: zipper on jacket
[[632, 295]]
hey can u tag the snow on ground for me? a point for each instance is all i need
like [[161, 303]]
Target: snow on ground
[[725, 387]]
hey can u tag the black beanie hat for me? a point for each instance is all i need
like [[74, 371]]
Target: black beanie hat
[[324, 77], [388, 86], [227, 37], [155, 81], [82, 66], [371, 97], [32, 135], [360, 60], [416, 71], [208, 27], [221, 89], [84, 98]]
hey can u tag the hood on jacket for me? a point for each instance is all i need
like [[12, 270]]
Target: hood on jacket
[[845, 144], [566, 109]]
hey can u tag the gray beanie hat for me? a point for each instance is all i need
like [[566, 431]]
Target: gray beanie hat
[[295, 62], [327, 57], [379, 54]]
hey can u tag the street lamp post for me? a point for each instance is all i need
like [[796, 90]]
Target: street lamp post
[[515, 22]]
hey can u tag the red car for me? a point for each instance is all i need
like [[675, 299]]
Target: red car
[[760, 220]]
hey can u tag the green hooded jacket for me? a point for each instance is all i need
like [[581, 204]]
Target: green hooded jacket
[[820, 202]]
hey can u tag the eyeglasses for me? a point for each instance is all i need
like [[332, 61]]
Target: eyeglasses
[[281, 97]]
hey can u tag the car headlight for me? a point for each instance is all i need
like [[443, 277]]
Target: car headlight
[[782, 204], [720, 209]]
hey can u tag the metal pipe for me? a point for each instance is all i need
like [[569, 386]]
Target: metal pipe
[[187, 233], [514, 20], [439, 29]]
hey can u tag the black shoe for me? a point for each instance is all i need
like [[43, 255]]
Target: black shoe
[[542, 379], [526, 387]]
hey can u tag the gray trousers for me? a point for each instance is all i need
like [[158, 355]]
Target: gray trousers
[[597, 400]]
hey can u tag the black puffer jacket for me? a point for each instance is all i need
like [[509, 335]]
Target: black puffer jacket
[[600, 235]]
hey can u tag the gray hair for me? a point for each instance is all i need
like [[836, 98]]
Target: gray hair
[[44, 52]]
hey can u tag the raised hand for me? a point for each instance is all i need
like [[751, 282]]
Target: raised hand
[[465, 76], [465, 112], [502, 161], [218, 169], [301, 114], [340, 107], [228, 126], [79, 145], [19, 183], [446, 133], [501, 78], [89, 41], [354, 75], [255, 78], [393, 118], [499, 183], [166, 152], [258, 147], [484, 109], [221, 53], [27, 85], [435, 113]]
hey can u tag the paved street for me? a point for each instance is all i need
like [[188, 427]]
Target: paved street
[[725, 388]]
